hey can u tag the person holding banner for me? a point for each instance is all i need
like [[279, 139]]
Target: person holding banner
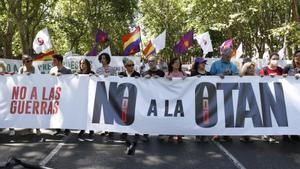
[[2, 67], [85, 68], [129, 69], [105, 70], [198, 69], [293, 70], [26, 68], [272, 69], [58, 69], [129, 72], [153, 70], [224, 67], [175, 71], [248, 69]]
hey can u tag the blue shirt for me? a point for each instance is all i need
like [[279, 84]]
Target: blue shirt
[[222, 67]]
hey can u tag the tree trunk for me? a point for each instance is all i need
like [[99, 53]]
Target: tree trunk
[[295, 15]]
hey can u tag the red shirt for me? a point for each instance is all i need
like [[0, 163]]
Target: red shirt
[[277, 71]]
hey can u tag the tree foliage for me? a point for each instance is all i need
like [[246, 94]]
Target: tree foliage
[[72, 24]]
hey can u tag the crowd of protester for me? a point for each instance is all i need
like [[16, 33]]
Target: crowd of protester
[[157, 68]]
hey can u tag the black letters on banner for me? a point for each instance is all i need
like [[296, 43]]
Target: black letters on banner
[[152, 108], [278, 107], [121, 104], [206, 110], [246, 94], [228, 107]]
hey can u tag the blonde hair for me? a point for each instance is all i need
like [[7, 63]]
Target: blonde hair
[[245, 67]]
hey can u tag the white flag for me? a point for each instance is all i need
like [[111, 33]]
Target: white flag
[[239, 51], [160, 41], [205, 42], [106, 50], [42, 41], [281, 53]]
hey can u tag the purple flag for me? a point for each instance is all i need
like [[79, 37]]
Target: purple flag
[[101, 37], [92, 52], [184, 43]]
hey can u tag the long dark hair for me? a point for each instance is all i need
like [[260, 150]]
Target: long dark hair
[[87, 62], [170, 68]]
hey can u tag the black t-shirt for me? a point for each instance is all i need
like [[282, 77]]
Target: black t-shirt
[[195, 73], [134, 74], [157, 72]]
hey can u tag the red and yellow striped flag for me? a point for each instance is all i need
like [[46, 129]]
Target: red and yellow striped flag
[[45, 56]]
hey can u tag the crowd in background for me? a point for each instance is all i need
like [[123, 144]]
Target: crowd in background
[[157, 68]]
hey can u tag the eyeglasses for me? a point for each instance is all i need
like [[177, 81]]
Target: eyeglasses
[[130, 65], [151, 61]]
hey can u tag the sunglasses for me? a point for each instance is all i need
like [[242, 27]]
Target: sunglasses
[[130, 65], [27, 61]]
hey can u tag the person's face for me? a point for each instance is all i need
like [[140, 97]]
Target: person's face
[[55, 62], [152, 63], [202, 66], [176, 64], [297, 60], [2, 68], [227, 57], [83, 65], [28, 62], [250, 70], [129, 66], [103, 60], [274, 60]]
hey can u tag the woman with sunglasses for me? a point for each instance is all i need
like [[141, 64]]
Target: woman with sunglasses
[[129, 69], [129, 72]]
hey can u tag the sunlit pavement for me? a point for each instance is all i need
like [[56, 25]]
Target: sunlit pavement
[[63, 152]]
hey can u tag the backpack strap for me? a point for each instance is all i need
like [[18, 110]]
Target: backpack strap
[[265, 71]]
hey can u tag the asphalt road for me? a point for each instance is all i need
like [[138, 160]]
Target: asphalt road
[[61, 152]]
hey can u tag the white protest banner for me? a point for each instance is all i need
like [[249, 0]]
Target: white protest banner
[[194, 106], [72, 62]]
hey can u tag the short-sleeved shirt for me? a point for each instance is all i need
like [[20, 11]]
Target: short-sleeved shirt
[[63, 70], [290, 70], [222, 67]]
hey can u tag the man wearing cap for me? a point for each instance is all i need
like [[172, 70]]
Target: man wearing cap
[[198, 67], [224, 67]]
